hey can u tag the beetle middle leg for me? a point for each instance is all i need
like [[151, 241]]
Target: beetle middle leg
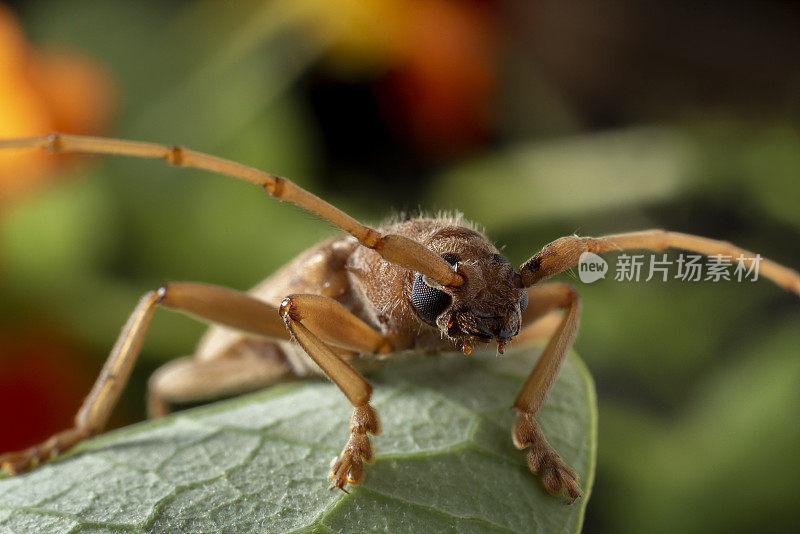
[[259, 363], [333, 323], [247, 363], [556, 475]]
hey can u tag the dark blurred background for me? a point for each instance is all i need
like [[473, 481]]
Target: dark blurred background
[[535, 118]]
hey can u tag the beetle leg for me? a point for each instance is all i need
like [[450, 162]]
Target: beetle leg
[[251, 363], [333, 323], [210, 303], [191, 379], [556, 475]]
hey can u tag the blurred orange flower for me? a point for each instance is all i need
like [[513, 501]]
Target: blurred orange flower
[[44, 91], [436, 61], [440, 89]]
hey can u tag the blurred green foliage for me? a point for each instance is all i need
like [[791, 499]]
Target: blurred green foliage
[[697, 382]]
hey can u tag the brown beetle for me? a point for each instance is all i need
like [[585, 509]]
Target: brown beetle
[[427, 284]]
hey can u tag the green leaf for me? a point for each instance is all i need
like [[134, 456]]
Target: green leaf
[[445, 461]]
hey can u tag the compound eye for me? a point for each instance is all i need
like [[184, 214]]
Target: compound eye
[[523, 303], [450, 258], [429, 302]]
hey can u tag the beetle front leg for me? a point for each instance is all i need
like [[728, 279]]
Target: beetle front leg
[[543, 460], [337, 326], [206, 302], [348, 467]]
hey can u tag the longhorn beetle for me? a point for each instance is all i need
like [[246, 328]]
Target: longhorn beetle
[[426, 284]]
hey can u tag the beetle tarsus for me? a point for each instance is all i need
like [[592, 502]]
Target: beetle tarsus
[[557, 477]]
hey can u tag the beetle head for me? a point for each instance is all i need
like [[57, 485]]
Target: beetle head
[[487, 307]]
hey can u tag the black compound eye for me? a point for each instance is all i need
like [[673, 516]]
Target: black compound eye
[[450, 258], [523, 303], [499, 259], [428, 301]]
